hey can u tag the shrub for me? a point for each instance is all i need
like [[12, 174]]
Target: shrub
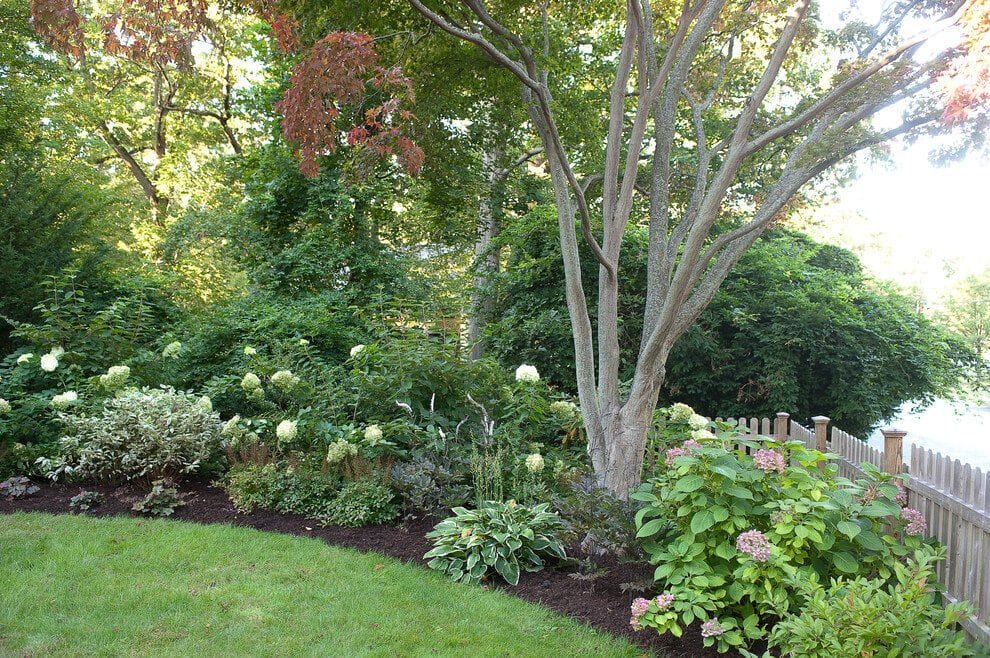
[[162, 500], [428, 487], [871, 617], [369, 501], [85, 500], [143, 434], [299, 490], [729, 529], [598, 521], [18, 487], [506, 537]]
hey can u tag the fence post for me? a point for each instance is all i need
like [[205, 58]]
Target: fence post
[[780, 427], [893, 451], [821, 437]]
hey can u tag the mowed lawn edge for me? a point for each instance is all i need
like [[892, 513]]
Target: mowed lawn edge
[[83, 586]]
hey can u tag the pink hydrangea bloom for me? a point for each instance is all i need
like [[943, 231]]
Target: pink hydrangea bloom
[[664, 600], [639, 608], [769, 460], [754, 544], [711, 628], [901, 497], [917, 525], [682, 451]]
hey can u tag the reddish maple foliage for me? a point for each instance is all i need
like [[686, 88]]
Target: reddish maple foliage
[[155, 31], [60, 26], [342, 71], [966, 82], [284, 26]]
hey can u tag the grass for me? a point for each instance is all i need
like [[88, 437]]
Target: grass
[[76, 586]]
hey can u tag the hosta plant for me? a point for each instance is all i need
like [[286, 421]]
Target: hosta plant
[[731, 523], [506, 537]]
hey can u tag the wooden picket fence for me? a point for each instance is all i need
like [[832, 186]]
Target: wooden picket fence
[[954, 497]]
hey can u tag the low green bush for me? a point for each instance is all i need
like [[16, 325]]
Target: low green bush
[[276, 486], [367, 501], [506, 537], [162, 500], [18, 487], [875, 617], [144, 435], [85, 500]]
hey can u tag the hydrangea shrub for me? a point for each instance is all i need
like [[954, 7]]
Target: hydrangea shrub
[[731, 523]]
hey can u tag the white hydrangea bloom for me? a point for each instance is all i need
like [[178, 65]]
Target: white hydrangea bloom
[[286, 431], [49, 362], [250, 382], [205, 403], [24, 358], [535, 462], [64, 400], [697, 422], [527, 373], [564, 408], [340, 450], [373, 433], [172, 350], [232, 427], [115, 377], [303, 342], [57, 351], [356, 350], [250, 351], [700, 435], [284, 380], [680, 413], [4, 407]]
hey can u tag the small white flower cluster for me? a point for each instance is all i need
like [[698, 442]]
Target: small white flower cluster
[[527, 373], [232, 428], [251, 385], [4, 407], [356, 350], [340, 450], [284, 380], [24, 358], [535, 462], [286, 431], [564, 408], [65, 400], [681, 413], [373, 433], [49, 362], [303, 342], [115, 377], [172, 350], [250, 351]]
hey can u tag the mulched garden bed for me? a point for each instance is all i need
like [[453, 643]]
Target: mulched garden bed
[[599, 602]]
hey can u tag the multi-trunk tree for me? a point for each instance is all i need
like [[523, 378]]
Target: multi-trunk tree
[[662, 71]]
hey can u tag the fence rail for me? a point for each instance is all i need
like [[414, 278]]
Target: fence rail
[[954, 497]]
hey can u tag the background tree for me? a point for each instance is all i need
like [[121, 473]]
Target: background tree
[[690, 254]]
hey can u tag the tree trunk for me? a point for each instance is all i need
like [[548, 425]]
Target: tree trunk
[[486, 258]]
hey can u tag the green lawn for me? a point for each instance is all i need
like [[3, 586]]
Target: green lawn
[[73, 585]]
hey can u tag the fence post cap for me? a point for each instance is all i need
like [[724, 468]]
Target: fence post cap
[[783, 414], [893, 433], [820, 419]]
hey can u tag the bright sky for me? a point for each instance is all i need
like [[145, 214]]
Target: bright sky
[[914, 222]]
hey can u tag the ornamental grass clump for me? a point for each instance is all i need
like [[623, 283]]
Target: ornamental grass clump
[[732, 523], [505, 537]]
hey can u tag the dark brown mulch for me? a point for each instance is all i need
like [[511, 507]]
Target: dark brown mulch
[[599, 602]]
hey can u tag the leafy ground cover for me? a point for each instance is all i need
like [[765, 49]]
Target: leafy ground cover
[[185, 589]]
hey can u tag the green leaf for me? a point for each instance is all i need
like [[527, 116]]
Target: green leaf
[[702, 521], [689, 483], [845, 562], [849, 529], [650, 528]]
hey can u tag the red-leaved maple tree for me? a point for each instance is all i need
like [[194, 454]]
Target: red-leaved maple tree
[[966, 83], [342, 71]]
